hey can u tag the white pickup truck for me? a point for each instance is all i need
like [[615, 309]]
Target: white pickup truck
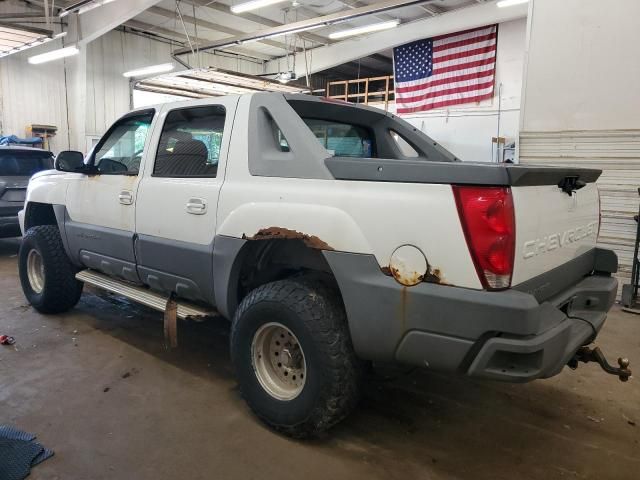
[[330, 235]]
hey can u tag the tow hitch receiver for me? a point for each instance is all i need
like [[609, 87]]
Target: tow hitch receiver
[[586, 355]]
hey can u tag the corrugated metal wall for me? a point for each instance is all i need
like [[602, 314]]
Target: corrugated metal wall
[[32, 95], [108, 92], [617, 154], [45, 93]]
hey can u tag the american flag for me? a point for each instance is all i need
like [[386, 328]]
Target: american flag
[[445, 70]]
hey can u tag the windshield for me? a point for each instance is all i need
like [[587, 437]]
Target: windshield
[[24, 163]]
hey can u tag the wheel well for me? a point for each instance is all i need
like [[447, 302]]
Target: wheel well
[[265, 261], [39, 214]]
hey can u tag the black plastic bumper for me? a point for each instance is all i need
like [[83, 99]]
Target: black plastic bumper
[[509, 335], [515, 358]]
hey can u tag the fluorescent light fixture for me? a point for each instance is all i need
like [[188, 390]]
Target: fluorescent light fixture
[[375, 27], [279, 34], [83, 6], [509, 3], [253, 5], [54, 55], [141, 72], [93, 5]]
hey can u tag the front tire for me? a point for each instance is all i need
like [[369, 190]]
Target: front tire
[[293, 356], [47, 275]]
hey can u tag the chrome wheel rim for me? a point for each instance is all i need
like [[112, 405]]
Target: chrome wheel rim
[[35, 270], [278, 361]]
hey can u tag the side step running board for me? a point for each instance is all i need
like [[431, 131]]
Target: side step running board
[[141, 295]]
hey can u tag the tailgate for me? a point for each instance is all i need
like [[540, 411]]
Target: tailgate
[[552, 227]]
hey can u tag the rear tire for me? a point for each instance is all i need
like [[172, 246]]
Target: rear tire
[[47, 275], [308, 317]]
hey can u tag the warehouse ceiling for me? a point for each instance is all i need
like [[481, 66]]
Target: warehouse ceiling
[[15, 38], [214, 21], [211, 24]]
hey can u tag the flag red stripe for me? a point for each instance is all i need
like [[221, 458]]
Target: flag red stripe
[[444, 81], [462, 43], [448, 35], [445, 103], [449, 91], [463, 66], [467, 53]]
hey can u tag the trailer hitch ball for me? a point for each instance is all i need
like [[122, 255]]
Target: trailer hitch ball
[[586, 355]]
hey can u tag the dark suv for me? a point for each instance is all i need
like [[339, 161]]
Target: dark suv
[[17, 165]]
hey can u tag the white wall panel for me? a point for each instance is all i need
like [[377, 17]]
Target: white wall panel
[[583, 66], [33, 94]]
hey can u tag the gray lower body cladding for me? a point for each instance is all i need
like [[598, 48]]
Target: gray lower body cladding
[[508, 335], [174, 266]]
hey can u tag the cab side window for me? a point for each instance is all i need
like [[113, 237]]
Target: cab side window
[[120, 151], [190, 143]]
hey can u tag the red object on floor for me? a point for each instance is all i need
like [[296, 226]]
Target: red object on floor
[[7, 340]]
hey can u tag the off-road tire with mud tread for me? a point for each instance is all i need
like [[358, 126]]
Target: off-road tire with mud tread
[[314, 312], [61, 290]]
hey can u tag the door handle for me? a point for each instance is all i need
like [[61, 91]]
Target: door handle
[[126, 197], [197, 206]]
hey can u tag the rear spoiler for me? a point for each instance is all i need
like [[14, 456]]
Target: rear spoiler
[[460, 173]]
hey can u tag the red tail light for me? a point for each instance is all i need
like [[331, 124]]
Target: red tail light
[[488, 221]]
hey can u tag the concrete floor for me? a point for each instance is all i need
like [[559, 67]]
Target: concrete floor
[[97, 386]]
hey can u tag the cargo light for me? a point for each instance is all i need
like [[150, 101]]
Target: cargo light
[[488, 221]]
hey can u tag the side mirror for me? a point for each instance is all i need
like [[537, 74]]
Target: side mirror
[[69, 161]]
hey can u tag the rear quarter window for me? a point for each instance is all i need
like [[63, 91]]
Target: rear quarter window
[[343, 139]]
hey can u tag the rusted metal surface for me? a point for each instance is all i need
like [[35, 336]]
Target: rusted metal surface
[[433, 275], [586, 355], [404, 298], [170, 323], [272, 233], [407, 279]]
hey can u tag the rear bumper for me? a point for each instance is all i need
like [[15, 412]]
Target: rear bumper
[[509, 335]]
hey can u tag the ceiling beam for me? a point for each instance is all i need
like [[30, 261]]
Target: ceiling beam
[[358, 3], [182, 39], [453, 21], [252, 17], [381, 58], [303, 25], [95, 23], [211, 26]]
